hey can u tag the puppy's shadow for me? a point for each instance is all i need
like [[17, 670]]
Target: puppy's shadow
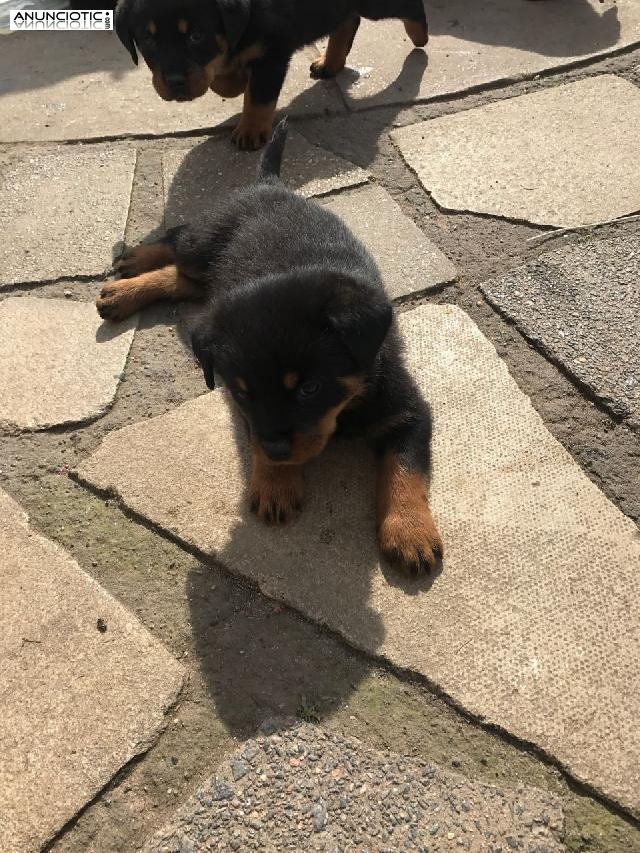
[[107, 331], [323, 566], [548, 27]]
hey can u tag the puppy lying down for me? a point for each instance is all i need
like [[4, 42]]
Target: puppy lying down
[[298, 327]]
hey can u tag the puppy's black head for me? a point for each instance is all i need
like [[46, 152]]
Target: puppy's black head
[[294, 351], [185, 43]]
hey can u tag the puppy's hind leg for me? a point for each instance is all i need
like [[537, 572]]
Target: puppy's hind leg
[[340, 42], [410, 12], [145, 257], [122, 298]]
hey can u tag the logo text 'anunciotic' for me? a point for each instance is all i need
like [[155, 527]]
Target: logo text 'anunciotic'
[[61, 19]]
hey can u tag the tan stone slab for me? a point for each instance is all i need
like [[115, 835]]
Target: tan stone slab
[[532, 625], [409, 262], [62, 213], [472, 44], [59, 363], [196, 178], [308, 788], [69, 85], [77, 702], [564, 156]]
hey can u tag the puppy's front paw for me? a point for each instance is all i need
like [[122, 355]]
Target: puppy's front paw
[[321, 69], [254, 129], [410, 541], [114, 302], [276, 493]]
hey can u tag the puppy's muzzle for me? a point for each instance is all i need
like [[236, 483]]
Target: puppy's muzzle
[[177, 85], [277, 449]]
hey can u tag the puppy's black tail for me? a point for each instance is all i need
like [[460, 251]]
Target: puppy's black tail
[[269, 167]]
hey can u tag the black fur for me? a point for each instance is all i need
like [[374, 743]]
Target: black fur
[[291, 289]]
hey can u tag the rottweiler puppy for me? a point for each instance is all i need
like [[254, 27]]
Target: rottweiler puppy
[[236, 46], [299, 329]]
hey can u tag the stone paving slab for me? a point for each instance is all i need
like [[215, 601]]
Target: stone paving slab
[[62, 213], [77, 702], [308, 788], [409, 262], [531, 625], [581, 305], [562, 156], [485, 41], [70, 85], [59, 363], [197, 177]]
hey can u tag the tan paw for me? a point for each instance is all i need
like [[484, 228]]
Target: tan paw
[[143, 258], [251, 133], [411, 541], [418, 32], [122, 298], [276, 493], [322, 69]]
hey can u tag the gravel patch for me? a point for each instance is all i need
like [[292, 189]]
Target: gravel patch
[[307, 788]]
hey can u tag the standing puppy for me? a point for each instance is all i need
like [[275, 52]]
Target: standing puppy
[[235, 46], [301, 332]]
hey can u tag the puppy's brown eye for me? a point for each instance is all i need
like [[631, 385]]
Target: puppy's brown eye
[[195, 37], [308, 389]]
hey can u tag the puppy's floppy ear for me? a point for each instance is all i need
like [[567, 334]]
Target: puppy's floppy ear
[[123, 31], [361, 315], [202, 345], [235, 17]]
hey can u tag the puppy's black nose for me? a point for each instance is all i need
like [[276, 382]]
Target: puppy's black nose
[[177, 83], [277, 449]]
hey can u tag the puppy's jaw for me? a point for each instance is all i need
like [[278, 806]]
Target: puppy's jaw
[[309, 444], [198, 82]]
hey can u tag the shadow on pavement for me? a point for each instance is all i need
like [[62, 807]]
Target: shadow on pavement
[[33, 60], [258, 665], [547, 27]]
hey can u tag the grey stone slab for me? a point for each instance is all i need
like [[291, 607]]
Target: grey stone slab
[[532, 623], [486, 41], [77, 702], [562, 156], [59, 363], [581, 304], [83, 85], [62, 213], [409, 262], [308, 788], [197, 177]]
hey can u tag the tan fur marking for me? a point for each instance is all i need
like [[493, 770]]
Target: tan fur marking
[[407, 533], [276, 491], [229, 84], [242, 385], [183, 26], [119, 299], [145, 257], [307, 445], [248, 54], [290, 380], [417, 32], [255, 124], [151, 28], [334, 58]]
